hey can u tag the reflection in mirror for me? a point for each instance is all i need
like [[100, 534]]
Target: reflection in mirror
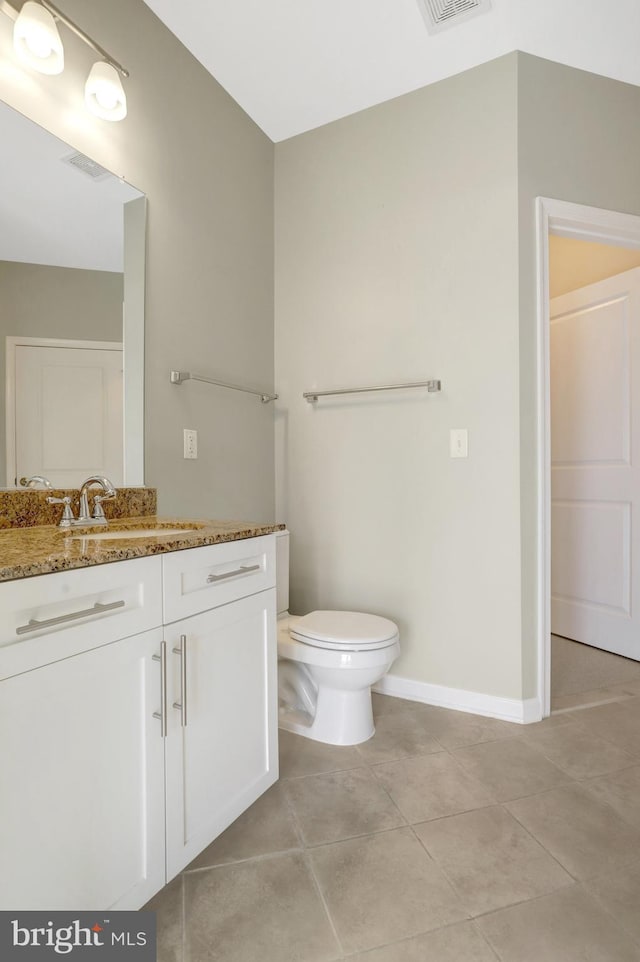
[[72, 241]]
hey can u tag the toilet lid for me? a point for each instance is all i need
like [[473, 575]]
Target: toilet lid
[[344, 629]]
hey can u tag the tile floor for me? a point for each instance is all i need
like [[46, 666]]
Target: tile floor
[[446, 838], [581, 675]]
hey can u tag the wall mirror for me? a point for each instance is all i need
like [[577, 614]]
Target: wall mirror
[[72, 263]]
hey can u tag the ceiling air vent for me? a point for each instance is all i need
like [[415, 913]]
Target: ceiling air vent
[[87, 166], [440, 14]]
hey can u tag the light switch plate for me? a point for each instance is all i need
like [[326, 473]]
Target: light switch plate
[[190, 443], [459, 443]]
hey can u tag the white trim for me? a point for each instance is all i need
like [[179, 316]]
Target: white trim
[[583, 223], [135, 219], [11, 343], [458, 699]]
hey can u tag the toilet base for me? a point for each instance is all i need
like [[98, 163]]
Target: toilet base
[[341, 718]]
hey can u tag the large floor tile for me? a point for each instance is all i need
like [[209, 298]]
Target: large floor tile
[[579, 753], [586, 836], [567, 926], [619, 893], [267, 910], [383, 888], [621, 790], [389, 705], [490, 859], [340, 805], [587, 699], [578, 668], [457, 943], [551, 721], [303, 756], [618, 723], [510, 768], [457, 729], [432, 786], [266, 827], [399, 735], [167, 905]]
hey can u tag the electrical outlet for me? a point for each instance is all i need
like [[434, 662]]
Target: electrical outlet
[[190, 443], [459, 443]]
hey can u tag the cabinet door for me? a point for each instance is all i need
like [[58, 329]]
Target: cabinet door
[[226, 755], [81, 781]]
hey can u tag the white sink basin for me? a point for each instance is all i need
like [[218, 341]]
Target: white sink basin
[[120, 534]]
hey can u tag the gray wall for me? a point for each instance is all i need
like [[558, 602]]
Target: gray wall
[[578, 140], [397, 260], [40, 301], [208, 173]]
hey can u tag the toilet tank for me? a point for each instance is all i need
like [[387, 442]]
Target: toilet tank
[[282, 571]]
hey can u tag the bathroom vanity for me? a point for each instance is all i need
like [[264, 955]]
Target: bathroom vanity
[[138, 706]]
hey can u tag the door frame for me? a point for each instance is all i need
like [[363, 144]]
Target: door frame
[[580, 222], [11, 343]]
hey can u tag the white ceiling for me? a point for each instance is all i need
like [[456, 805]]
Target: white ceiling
[[297, 64], [51, 213]]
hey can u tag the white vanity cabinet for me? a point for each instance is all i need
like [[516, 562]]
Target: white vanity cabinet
[[222, 739], [81, 755], [138, 719]]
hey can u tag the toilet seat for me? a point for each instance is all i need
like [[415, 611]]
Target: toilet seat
[[344, 631]]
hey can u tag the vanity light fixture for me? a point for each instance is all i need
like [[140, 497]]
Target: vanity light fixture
[[36, 39], [103, 92], [37, 43]]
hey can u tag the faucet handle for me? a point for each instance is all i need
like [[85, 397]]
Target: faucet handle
[[67, 518], [98, 510]]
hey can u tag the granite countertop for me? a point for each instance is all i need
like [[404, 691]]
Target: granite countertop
[[42, 549]]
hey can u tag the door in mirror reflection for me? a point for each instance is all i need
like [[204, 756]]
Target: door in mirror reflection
[[68, 411]]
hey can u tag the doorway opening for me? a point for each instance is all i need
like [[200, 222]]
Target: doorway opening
[[588, 445]]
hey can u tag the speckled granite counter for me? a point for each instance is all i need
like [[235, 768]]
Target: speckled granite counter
[[22, 507], [25, 552]]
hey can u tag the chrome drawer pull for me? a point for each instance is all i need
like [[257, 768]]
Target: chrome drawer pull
[[242, 570], [162, 714], [97, 609], [182, 704]]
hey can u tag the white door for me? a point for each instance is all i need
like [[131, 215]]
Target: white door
[[595, 474], [226, 755], [82, 781], [68, 413]]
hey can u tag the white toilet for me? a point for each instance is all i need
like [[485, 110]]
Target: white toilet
[[327, 663]]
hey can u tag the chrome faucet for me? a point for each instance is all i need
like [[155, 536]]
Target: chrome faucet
[[98, 513], [84, 518]]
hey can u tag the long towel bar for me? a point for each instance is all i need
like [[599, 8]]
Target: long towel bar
[[431, 386]]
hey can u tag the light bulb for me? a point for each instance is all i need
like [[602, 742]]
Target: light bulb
[[104, 94], [36, 39]]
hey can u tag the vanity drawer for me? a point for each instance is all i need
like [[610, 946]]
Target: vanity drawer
[[198, 579], [54, 616]]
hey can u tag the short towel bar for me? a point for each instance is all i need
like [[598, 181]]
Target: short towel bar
[[177, 377]]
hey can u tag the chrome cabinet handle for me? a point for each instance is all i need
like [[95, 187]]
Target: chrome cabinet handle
[[97, 609], [162, 714], [182, 704], [242, 570]]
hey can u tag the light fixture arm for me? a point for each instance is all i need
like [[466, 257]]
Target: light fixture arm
[[10, 11], [83, 36]]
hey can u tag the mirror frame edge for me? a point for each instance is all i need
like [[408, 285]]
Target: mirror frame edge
[[133, 337]]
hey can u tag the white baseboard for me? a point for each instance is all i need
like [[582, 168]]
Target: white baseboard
[[523, 712]]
